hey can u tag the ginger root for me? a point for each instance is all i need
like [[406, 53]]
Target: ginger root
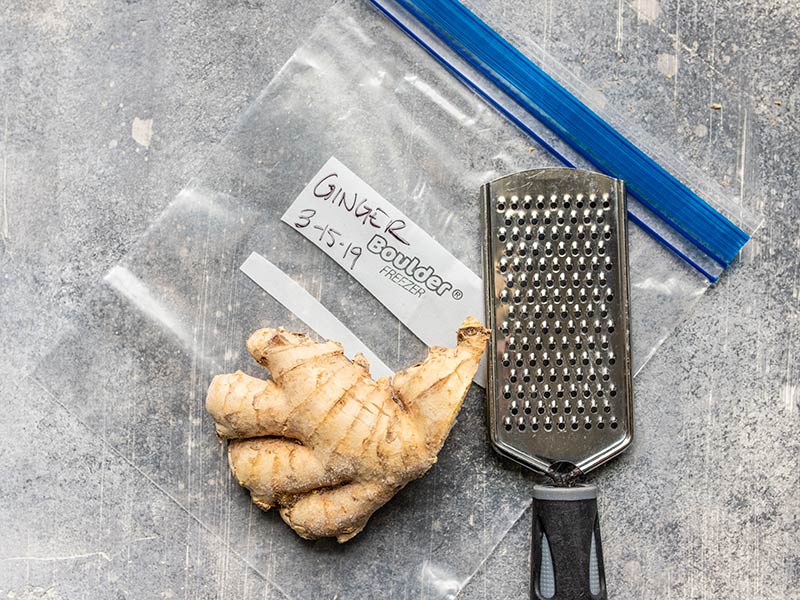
[[325, 442]]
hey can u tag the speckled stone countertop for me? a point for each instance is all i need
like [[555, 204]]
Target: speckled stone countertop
[[107, 108]]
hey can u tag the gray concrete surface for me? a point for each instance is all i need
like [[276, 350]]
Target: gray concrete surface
[[106, 110]]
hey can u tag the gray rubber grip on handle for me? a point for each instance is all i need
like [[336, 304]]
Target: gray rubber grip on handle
[[566, 553]]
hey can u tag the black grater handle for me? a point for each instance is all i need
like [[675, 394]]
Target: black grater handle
[[566, 554]]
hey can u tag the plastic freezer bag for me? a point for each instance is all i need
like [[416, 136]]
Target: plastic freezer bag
[[177, 310]]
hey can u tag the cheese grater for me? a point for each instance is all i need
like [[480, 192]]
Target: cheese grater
[[559, 393]]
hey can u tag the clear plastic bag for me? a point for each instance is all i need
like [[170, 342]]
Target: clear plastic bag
[[177, 310]]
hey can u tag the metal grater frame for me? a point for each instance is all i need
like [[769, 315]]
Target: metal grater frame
[[558, 304]]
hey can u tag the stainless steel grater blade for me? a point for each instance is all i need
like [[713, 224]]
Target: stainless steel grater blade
[[557, 298], [559, 392]]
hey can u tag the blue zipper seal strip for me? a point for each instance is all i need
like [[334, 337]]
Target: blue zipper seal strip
[[581, 128]]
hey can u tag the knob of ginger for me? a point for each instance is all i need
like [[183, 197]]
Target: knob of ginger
[[325, 442]]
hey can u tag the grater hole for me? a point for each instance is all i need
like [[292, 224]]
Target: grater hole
[[535, 426], [601, 425], [548, 426], [508, 426], [526, 202], [574, 426], [606, 409], [515, 203], [553, 201], [501, 204], [588, 425], [521, 426], [613, 392], [614, 425], [562, 426], [593, 409]]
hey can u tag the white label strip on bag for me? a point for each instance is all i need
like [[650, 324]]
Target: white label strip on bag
[[411, 274], [295, 297]]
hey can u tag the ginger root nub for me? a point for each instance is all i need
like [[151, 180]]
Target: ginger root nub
[[326, 443]]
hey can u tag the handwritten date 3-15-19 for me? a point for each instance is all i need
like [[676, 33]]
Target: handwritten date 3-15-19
[[328, 236]]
